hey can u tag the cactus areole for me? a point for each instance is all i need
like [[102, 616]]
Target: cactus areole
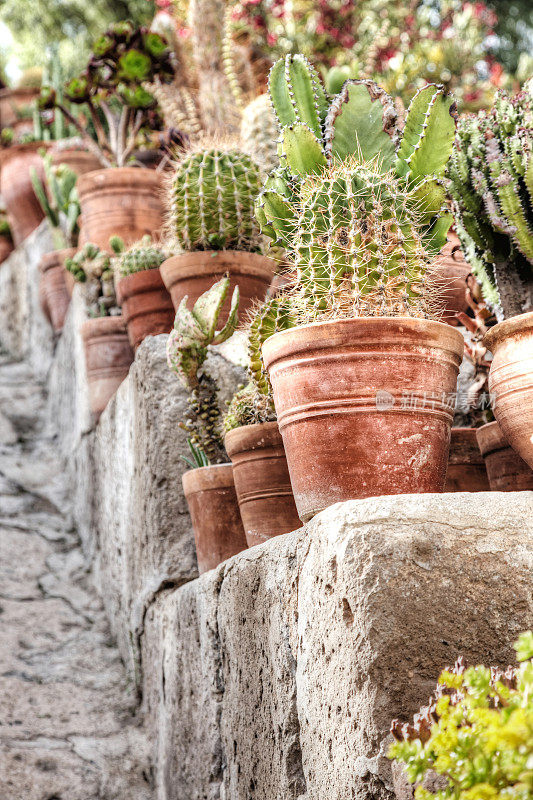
[[361, 383]]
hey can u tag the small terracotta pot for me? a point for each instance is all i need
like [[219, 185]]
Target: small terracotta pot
[[12, 101], [466, 466], [53, 291], [194, 273], [262, 481], [24, 211], [212, 500], [506, 470], [146, 305], [451, 274], [6, 247], [120, 201], [364, 406], [511, 381], [69, 281], [76, 158], [108, 356]]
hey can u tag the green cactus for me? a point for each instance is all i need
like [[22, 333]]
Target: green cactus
[[63, 208], [491, 174], [357, 205], [194, 330], [141, 256], [259, 132], [93, 268], [212, 196]]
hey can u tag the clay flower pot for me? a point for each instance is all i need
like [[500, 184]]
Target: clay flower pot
[[262, 481], [13, 101], [466, 466], [451, 274], [121, 201], [364, 406], [76, 158], [506, 470], [194, 273], [108, 356], [24, 211], [6, 247], [218, 530], [53, 292], [146, 305], [511, 381]]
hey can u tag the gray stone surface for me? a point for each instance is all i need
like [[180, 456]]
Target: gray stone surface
[[319, 638]]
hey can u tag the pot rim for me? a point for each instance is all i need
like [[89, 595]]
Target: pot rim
[[214, 476], [19, 149], [508, 327], [248, 437], [102, 326], [56, 258], [354, 331], [8, 91], [107, 177], [143, 278], [200, 263]]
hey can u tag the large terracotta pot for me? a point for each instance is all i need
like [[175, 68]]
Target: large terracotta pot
[[364, 406], [146, 305], [506, 470], [108, 356], [194, 273], [262, 481], [451, 274], [122, 201], [466, 466], [53, 292], [13, 101], [511, 381], [76, 158], [218, 530], [24, 211], [6, 247]]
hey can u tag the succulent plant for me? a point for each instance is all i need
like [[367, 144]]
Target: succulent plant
[[92, 267], [60, 205], [358, 205], [140, 256], [194, 330], [491, 175], [212, 194], [259, 132]]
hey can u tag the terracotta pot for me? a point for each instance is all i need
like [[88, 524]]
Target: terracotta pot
[[364, 406], [466, 466], [69, 281], [451, 274], [6, 247], [24, 211], [511, 381], [76, 158], [13, 101], [262, 481], [108, 356], [122, 201], [194, 273], [218, 530], [53, 291], [506, 470], [146, 305]]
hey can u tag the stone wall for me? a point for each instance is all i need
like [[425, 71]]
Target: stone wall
[[275, 676]]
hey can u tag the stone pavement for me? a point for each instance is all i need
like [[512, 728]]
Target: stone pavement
[[68, 729]]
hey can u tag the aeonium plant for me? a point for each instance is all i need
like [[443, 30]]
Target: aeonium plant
[[111, 91]]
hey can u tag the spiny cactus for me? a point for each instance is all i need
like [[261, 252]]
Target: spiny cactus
[[93, 268], [259, 132], [212, 194], [491, 173], [61, 205], [194, 330], [177, 106], [140, 256], [357, 204]]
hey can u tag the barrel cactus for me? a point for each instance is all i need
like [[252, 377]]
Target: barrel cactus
[[212, 194], [140, 256], [259, 132], [491, 173], [358, 205]]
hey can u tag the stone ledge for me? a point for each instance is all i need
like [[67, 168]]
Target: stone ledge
[[277, 675]]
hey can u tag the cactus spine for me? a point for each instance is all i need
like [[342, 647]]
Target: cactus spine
[[491, 174], [357, 205], [141, 256], [212, 196], [259, 132]]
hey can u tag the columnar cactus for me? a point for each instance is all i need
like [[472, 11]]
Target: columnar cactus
[[212, 194], [93, 268], [358, 206], [259, 132], [491, 175], [141, 256], [194, 330], [60, 204]]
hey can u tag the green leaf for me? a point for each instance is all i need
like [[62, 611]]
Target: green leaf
[[134, 66], [209, 305], [280, 214], [303, 150], [297, 93], [233, 320], [429, 198], [436, 235]]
